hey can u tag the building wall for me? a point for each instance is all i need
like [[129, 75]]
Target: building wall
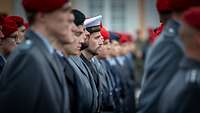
[[18, 8], [6, 6], [114, 18], [131, 13], [128, 23], [152, 18]]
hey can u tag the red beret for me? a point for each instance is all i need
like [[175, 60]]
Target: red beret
[[19, 20], [163, 6], [192, 17], [182, 5], [104, 33], [43, 5], [26, 25], [9, 27], [154, 33], [123, 38]]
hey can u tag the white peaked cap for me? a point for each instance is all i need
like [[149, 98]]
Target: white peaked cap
[[94, 21]]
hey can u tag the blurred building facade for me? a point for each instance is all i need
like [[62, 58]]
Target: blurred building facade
[[118, 15]]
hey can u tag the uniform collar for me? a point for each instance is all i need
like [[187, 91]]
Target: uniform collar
[[172, 26], [45, 41], [59, 53]]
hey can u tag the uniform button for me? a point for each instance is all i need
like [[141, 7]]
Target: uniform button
[[171, 30]]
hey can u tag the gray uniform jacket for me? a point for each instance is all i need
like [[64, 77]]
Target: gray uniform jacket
[[32, 80], [86, 88], [161, 64]]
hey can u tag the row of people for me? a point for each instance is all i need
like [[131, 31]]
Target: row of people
[[170, 81], [65, 63]]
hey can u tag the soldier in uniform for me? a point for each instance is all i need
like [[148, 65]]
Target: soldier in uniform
[[112, 65], [164, 11], [32, 80], [105, 75], [127, 75], [94, 41], [82, 96], [182, 93], [9, 40], [21, 27], [163, 59]]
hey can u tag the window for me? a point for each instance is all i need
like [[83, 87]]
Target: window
[[96, 7], [118, 15]]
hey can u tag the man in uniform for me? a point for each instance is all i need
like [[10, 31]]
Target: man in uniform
[[80, 89], [163, 59], [85, 92], [164, 11], [21, 27], [94, 41], [9, 41], [182, 93], [32, 80], [104, 74]]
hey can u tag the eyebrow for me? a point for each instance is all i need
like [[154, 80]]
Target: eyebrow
[[78, 33], [67, 8], [97, 36]]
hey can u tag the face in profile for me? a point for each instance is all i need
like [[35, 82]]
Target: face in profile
[[103, 52], [9, 43], [21, 33], [74, 48], [95, 42], [59, 22]]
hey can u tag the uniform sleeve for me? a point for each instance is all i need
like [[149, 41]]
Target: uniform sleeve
[[163, 59], [161, 65]]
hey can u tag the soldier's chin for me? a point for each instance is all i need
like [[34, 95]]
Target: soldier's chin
[[95, 53]]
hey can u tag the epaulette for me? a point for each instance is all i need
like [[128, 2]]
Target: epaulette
[[170, 32], [26, 45], [192, 77]]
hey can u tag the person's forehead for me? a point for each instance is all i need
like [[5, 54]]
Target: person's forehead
[[66, 7], [14, 34], [96, 34]]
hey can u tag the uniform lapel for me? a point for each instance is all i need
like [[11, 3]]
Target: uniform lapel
[[77, 61]]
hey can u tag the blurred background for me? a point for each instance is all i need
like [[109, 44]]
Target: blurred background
[[129, 16], [133, 17]]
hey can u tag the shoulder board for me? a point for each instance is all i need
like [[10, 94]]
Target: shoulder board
[[192, 77], [27, 44]]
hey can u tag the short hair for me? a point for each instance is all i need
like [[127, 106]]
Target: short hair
[[79, 17]]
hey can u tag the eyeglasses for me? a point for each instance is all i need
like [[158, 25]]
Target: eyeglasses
[[14, 38]]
